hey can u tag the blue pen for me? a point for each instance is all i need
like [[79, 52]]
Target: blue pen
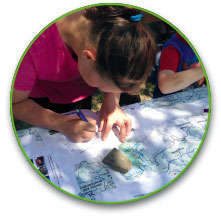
[[81, 115]]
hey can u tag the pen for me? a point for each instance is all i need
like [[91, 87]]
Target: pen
[[83, 118], [81, 115]]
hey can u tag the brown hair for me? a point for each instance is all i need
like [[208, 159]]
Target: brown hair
[[125, 49]]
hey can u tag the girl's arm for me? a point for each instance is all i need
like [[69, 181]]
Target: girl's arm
[[169, 81], [27, 110], [30, 112]]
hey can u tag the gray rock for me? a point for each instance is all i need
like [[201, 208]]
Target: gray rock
[[117, 161]]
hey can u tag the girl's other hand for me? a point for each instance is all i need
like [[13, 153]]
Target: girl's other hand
[[111, 114]]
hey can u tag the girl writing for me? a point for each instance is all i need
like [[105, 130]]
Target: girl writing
[[104, 47]]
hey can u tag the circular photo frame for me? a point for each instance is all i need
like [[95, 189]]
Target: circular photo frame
[[110, 103]]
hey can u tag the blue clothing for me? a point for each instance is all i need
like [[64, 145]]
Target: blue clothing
[[187, 58]]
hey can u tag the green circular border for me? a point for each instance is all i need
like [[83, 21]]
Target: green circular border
[[119, 202]]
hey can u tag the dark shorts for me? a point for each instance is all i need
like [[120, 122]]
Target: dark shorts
[[61, 108]]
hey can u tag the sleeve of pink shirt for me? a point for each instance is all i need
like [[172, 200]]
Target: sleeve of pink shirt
[[27, 75]]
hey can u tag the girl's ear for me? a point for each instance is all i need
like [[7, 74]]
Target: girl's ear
[[89, 54]]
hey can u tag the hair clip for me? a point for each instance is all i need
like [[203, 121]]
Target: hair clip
[[136, 17]]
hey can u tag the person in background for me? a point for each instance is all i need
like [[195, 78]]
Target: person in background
[[179, 68]]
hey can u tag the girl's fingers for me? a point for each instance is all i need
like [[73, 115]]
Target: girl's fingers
[[87, 135], [101, 127], [201, 81], [84, 140], [128, 125], [107, 130], [91, 127], [122, 132]]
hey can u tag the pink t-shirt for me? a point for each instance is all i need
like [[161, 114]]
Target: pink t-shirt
[[49, 70]]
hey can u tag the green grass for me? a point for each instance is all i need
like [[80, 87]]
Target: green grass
[[97, 100], [147, 93]]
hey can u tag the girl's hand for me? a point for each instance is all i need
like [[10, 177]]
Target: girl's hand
[[111, 114], [201, 81], [78, 130]]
